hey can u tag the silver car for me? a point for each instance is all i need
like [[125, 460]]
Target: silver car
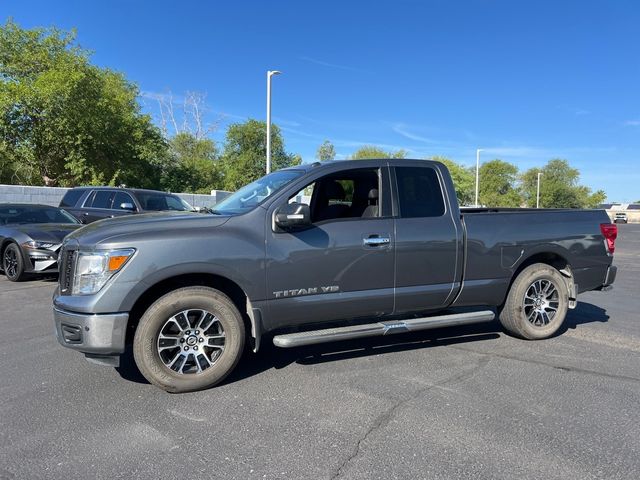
[[30, 237]]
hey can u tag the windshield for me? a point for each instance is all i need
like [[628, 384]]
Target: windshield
[[256, 192], [24, 214], [157, 202]]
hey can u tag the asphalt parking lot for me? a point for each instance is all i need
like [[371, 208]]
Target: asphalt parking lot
[[452, 403]]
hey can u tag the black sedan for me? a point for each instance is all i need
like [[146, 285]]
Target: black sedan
[[30, 237]]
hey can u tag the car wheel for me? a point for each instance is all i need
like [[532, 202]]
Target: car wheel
[[189, 339], [537, 303], [13, 263]]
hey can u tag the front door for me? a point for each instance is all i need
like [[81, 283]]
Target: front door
[[342, 267]]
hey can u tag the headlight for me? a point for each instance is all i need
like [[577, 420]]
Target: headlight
[[94, 269], [36, 245]]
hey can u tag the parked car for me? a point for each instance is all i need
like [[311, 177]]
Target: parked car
[[89, 204], [30, 237], [621, 217], [379, 247]]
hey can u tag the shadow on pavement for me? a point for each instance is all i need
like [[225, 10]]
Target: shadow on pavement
[[270, 356], [128, 369], [583, 313]]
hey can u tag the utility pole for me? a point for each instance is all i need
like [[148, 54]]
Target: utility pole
[[538, 192], [477, 174], [270, 73]]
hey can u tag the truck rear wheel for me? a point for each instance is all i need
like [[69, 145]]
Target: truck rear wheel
[[189, 339], [537, 303]]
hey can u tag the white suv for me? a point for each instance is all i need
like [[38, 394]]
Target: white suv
[[620, 217]]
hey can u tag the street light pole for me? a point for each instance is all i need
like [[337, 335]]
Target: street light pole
[[270, 73], [477, 173], [538, 192]]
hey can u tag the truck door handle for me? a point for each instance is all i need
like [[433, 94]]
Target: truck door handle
[[376, 241]]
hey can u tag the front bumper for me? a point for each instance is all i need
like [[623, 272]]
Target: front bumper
[[40, 260], [102, 335]]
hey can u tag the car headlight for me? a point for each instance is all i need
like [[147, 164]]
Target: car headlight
[[38, 245], [94, 269]]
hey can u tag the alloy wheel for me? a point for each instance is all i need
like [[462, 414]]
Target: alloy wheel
[[541, 302], [191, 341], [10, 262]]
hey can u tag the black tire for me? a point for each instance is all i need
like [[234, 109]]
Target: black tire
[[13, 263], [170, 312], [529, 315]]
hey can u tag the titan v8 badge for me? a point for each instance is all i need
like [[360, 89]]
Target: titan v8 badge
[[296, 292]]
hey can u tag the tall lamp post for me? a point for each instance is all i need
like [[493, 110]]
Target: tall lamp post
[[477, 174], [270, 73], [538, 191]]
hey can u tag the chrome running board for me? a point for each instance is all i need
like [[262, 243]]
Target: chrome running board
[[389, 327]]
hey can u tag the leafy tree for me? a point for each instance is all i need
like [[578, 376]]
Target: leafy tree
[[245, 152], [192, 166], [6, 164], [559, 187], [64, 121], [463, 180], [498, 184], [593, 200], [326, 151], [371, 152]]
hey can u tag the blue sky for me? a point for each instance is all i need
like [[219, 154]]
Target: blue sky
[[525, 81]]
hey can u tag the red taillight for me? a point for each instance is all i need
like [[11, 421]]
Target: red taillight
[[610, 233]]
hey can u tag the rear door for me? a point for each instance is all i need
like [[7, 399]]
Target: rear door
[[428, 241], [342, 266], [97, 206]]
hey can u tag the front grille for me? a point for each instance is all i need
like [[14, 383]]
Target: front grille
[[67, 266]]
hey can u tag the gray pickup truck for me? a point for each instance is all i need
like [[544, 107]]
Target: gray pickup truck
[[316, 253]]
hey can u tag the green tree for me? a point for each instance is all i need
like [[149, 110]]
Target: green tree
[[498, 184], [192, 166], [559, 187], [371, 152], [244, 155], [463, 180], [326, 151], [64, 121]]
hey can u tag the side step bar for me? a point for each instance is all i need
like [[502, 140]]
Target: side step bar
[[298, 339]]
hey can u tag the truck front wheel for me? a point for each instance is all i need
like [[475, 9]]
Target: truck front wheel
[[189, 339], [537, 303]]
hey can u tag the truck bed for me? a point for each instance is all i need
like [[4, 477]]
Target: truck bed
[[496, 240]]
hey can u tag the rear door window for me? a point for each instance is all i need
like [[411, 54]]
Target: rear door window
[[419, 192], [102, 199]]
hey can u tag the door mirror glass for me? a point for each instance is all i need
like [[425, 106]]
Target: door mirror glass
[[293, 216], [127, 206]]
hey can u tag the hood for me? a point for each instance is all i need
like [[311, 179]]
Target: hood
[[164, 223], [47, 232]]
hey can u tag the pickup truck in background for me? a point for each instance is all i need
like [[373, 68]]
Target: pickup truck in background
[[315, 253]]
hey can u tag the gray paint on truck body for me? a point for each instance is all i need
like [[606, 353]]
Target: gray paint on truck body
[[429, 264]]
